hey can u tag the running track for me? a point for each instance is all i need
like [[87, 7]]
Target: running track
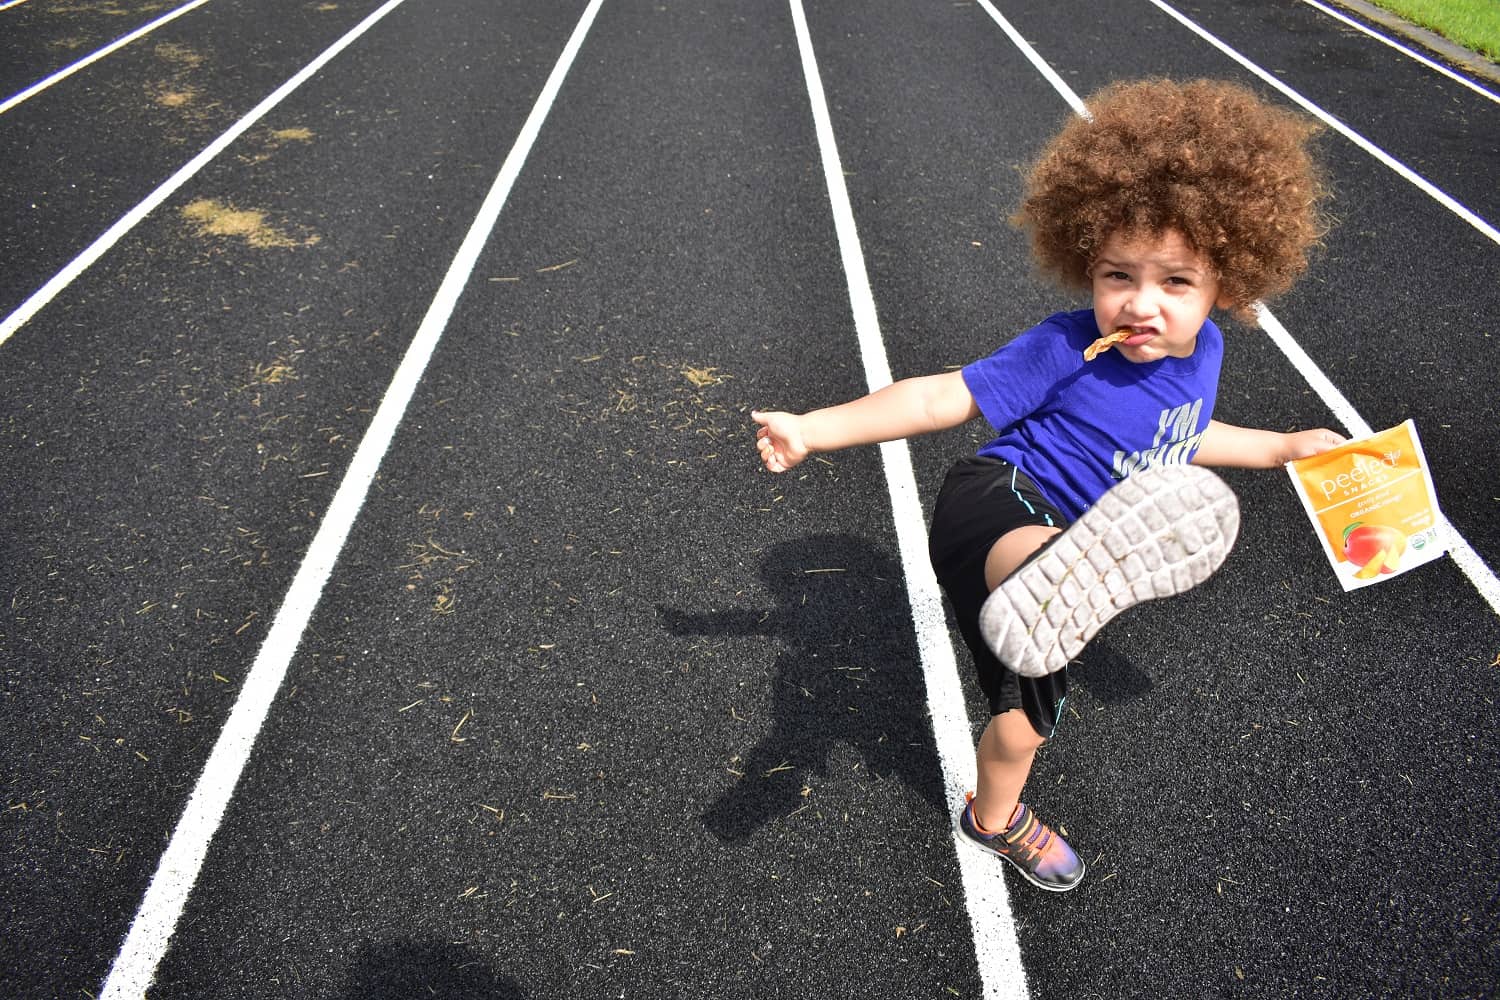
[[394, 606]]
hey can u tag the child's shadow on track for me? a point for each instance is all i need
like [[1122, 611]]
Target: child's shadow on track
[[1108, 675], [848, 672]]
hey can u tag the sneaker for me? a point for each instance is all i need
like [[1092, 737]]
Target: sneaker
[[1042, 857], [1160, 532]]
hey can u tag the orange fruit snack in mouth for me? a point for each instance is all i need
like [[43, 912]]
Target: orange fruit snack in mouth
[[1103, 344]]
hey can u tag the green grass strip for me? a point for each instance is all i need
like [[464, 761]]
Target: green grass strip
[[1474, 24]]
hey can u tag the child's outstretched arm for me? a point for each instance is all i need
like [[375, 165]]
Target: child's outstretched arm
[[903, 409], [1250, 448]]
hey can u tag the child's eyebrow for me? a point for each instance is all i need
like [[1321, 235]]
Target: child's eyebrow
[[1171, 267]]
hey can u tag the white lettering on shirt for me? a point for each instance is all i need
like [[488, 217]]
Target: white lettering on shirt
[[1177, 437]]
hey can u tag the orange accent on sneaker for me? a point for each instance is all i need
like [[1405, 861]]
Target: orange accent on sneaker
[[974, 815]]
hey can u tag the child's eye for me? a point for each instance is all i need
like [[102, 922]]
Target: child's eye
[[1179, 281], [1117, 276]]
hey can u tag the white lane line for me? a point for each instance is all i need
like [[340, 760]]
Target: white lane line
[[1032, 56], [67, 71], [1342, 410], [1413, 53], [1400, 168], [62, 279], [151, 931], [1464, 556], [1473, 566], [995, 944]]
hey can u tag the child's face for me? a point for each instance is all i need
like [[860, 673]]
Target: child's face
[[1157, 286]]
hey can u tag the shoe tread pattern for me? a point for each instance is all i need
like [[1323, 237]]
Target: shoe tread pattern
[[1160, 532]]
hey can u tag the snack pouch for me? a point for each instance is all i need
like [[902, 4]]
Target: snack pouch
[[1372, 502]]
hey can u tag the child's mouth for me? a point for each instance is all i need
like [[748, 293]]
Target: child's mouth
[[1139, 336]]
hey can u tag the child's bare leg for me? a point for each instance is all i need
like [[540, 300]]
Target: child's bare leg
[[1009, 743], [994, 818], [1006, 750]]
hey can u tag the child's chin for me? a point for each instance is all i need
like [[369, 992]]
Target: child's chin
[[1139, 355]]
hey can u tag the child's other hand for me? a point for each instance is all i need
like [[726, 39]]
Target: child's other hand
[[779, 439], [1301, 444]]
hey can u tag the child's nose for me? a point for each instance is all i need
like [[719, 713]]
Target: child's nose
[[1143, 302]]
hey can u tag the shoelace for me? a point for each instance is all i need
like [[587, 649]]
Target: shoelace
[[1028, 837]]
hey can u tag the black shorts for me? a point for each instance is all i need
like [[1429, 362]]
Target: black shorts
[[982, 499]]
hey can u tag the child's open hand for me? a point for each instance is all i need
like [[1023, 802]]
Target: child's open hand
[[779, 439], [1301, 444]]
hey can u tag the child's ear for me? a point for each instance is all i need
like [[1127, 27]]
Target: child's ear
[[1225, 303]]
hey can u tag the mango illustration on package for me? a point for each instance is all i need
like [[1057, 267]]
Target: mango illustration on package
[[1372, 502]]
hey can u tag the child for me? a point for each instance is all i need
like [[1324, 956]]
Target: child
[[1169, 200]]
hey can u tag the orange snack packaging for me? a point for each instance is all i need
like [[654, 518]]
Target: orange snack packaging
[[1372, 502]]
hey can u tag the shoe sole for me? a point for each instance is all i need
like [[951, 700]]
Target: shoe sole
[[1158, 533]]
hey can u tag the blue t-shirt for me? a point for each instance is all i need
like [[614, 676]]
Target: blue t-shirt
[[1077, 428]]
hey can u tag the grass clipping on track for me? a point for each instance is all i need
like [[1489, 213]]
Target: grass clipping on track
[[670, 396], [215, 218], [668, 409]]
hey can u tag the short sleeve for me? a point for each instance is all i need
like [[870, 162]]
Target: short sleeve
[[1016, 380]]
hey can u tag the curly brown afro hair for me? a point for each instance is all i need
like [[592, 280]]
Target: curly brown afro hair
[[1208, 159]]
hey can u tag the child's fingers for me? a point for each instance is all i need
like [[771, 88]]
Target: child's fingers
[[773, 457], [768, 452], [1305, 444], [771, 439], [1326, 440]]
